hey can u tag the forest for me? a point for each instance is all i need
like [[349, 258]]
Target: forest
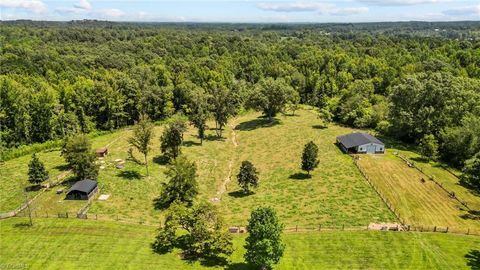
[[416, 82]]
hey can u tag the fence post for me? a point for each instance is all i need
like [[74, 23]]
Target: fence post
[[46, 213], [468, 232], [343, 227], [66, 214], [435, 229], [96, 216], [296, 228], [446, 230]]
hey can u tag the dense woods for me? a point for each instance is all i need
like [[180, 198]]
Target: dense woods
[[406, 81]]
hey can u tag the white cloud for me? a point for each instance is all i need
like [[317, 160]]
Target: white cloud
[[294, 6], [83, 4], [320, 7], [464, 11], [108, 13], [349, 11], [401, 2], [36, 6]]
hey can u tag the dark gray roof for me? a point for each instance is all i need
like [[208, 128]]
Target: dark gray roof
[[84, 186], [356, 139]]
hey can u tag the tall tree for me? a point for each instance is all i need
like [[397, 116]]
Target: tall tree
[[79, 155], [198, 112], [36, 171], [172, 139], [309, 157], [247, 176], [224, 104], [264, 244], [182, 185], [142, 137], [429, 147], [205, 238], [271, 96], [471, 172]]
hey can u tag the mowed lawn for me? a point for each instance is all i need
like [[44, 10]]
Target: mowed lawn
[[419, 203], [335, 195], [82, 244]]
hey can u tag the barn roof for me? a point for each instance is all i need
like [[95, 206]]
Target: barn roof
[[357, 139], [84, 186]]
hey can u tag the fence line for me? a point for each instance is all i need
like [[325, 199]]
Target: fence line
[[370, 182], [287, 229], [432, 178]]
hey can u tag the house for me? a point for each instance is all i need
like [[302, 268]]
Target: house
[[82, 190], [102, 152], [360, 142]]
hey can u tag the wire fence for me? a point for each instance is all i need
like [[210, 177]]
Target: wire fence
[[451, 194], [240, 229]]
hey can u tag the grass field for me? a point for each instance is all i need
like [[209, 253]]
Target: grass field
[[419, 203], [80, 244], [336, 194]]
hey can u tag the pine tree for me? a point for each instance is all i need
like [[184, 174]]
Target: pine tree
[[247, 177], [36, 171], [309, 157]]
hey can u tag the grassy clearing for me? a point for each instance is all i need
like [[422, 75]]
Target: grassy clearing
[[419, 203], [79, 244], [335, 195]]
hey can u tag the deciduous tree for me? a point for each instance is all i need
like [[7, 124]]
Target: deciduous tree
[[247, 176], [142, 137], [79, 155], [309, 157]]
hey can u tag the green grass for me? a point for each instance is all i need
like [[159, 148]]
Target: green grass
[[418, 203], [83, 244], [335, 195]]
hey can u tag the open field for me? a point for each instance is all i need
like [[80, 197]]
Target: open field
[[80, 244], [418, 203], [336, 194]]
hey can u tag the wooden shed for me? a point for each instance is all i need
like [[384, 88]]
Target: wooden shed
[[82, 190], [361, 143]]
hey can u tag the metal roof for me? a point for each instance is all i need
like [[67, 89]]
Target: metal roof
[[357, 139], [84, 186]]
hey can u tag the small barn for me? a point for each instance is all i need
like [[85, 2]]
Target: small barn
[[82, 190], [102, 152], [361, 143]]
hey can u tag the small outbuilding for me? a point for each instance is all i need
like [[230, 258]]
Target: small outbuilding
[[102, 152], [82, 190], [361, 143]]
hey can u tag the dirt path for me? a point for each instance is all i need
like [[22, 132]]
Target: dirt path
[[228, 178]]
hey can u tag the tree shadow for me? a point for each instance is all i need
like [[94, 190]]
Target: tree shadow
[[22, 225], [239, 194], [300, 176], [394, 143], [62, 167], [161, 160], [129, 174], [472, 214], [319, 127], [211, 137], [33, 188], [420, 160], [240, 266], [473, 259], [257, 123], [191, 143]]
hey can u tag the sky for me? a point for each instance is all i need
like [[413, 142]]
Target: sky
[[242, 10]]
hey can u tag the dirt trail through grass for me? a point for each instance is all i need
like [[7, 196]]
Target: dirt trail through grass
[[228, 178]]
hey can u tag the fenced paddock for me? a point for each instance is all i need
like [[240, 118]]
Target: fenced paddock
[[413, 197]]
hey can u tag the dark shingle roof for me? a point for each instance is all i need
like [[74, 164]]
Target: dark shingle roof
[[84, 186], [356, 139]]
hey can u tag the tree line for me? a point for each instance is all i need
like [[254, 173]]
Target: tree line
[[60, 79]]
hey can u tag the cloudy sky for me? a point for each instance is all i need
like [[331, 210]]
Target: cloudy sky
[[242, 10]]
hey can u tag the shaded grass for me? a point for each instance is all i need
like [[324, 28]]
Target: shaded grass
[[79, 244]]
